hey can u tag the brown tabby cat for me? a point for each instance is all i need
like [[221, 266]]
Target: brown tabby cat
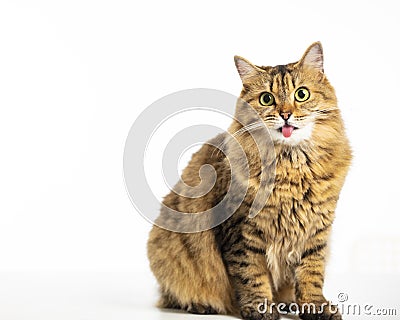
[[280, 254]]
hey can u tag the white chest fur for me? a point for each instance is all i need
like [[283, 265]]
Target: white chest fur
[[281, 257]]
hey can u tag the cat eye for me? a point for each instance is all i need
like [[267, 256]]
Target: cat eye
[[267, 99], [302, 94]]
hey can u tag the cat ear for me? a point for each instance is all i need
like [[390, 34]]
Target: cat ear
[[313, 58], [245, 68]]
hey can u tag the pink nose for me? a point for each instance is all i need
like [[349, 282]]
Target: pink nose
[[285, 115]]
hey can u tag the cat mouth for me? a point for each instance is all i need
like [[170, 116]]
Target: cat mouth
[[287, 130]]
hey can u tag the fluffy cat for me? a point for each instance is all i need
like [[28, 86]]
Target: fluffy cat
[[279, 254]]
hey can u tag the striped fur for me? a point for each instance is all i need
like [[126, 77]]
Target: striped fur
[[280, 254]]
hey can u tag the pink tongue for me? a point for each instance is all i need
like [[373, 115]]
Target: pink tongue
[[287, 130]]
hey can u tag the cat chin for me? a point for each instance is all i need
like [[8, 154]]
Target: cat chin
[[298, 136]]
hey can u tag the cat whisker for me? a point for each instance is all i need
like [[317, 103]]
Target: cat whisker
[[250, 126], [247, 128]]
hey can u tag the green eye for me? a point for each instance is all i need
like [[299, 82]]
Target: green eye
[[267, 99], [302, 94]]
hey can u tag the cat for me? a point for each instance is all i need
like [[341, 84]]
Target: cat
[[279, 254]]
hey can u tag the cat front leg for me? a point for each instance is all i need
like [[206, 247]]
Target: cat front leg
[[247, 268], [309, 277]]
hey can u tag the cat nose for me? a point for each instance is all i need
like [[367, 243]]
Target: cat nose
[[285, 115]]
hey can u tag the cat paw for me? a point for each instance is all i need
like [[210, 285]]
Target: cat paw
[[198, 308], [249, 313]]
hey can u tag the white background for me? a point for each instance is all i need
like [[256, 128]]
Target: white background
[[74, 75]]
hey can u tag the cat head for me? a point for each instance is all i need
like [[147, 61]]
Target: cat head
[[293, 100]]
